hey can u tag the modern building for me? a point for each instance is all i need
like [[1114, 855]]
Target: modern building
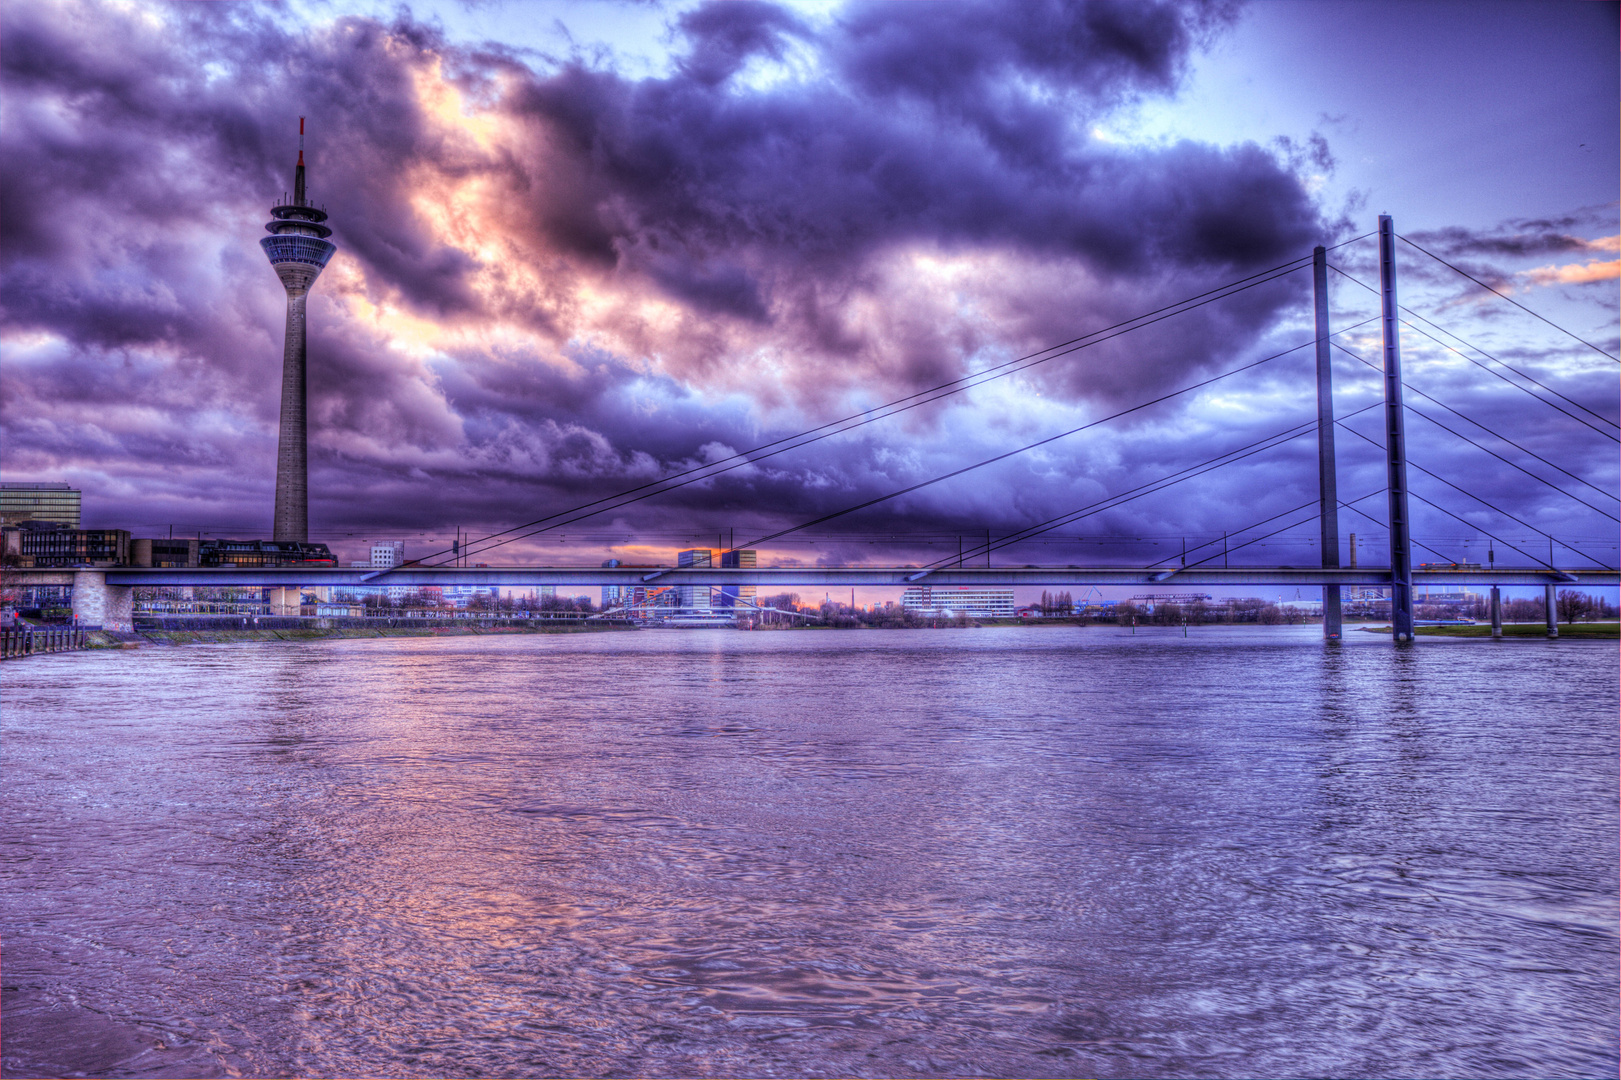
[[54, 502], [702, 599], [693, 599], [165, 552], [386, 556], [43, 544], [298, 250], [950, 601], [732, 596], [612, 595]]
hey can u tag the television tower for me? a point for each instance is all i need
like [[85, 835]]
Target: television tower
[[298, 250]]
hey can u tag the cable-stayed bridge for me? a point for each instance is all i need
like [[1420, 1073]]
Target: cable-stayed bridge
[[105, 591]]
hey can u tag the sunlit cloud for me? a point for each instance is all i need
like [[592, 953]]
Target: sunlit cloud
[[1573, 273]]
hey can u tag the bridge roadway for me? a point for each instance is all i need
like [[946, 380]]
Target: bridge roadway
[[782, 577]]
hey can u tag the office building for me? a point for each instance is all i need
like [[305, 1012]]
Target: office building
[[53, 502], [386, 556], [298, 250], [732, 596], [693, 598], [948, 602], [43, 544], [160, 551]]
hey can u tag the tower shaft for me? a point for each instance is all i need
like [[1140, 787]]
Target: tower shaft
[[292, 520]]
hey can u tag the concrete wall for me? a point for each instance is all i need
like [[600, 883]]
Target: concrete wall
[[95, 603]]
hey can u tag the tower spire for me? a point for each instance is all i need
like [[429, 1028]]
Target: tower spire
[[298, 173]]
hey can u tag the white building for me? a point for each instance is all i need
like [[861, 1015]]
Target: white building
[[387, 556], [950, 601]]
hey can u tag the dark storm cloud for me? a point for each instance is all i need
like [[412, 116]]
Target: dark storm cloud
[[724, 36], [829, 171], [1524, 238]]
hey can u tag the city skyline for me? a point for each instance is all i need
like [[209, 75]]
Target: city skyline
[[697, 228]]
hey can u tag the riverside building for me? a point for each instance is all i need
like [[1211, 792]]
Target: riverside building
[[44, 544], [948, 602]]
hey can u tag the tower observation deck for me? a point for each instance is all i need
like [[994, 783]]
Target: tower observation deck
[[298, 250]]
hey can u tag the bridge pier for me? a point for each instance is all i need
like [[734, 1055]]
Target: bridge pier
[[285, 600], [96, 603], [1497, 612], [1327, 485], [1401, 541], [1551, 602]]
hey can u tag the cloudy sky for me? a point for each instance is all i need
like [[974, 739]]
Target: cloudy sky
[[587, 246]]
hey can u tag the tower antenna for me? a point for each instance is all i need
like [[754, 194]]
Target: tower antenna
[[298, 172]]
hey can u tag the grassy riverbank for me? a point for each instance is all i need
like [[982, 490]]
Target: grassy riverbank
[[1517, 630]]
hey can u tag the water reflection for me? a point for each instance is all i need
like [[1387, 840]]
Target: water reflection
[[1016, 852]]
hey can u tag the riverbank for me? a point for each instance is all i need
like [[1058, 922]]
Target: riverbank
[[1512, 630], [148, 635]]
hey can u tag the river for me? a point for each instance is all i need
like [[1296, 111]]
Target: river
[[1003, 852]]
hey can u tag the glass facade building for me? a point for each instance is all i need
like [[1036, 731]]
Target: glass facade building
[[39, 502]]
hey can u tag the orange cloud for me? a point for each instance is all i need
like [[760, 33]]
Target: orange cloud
[[1574, 273]]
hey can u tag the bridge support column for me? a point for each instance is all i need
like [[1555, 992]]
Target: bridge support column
[[96, 603], [1401, 539], [1497, 612], [1551, 602], [285, 601], [1327, 487]]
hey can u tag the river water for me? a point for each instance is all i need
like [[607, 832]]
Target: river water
[[1007, 852]]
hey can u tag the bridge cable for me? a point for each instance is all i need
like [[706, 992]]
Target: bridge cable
[[1019, 450], [1460, 414], [869, 416], [1478, 446], [1351, 506], [1058, 522], [1489, 356], [737, 465], [1296, 525], [967, 382], [1152, 486], [1118, 499], [1510, 299], [1484, 503], [1227, 537]]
